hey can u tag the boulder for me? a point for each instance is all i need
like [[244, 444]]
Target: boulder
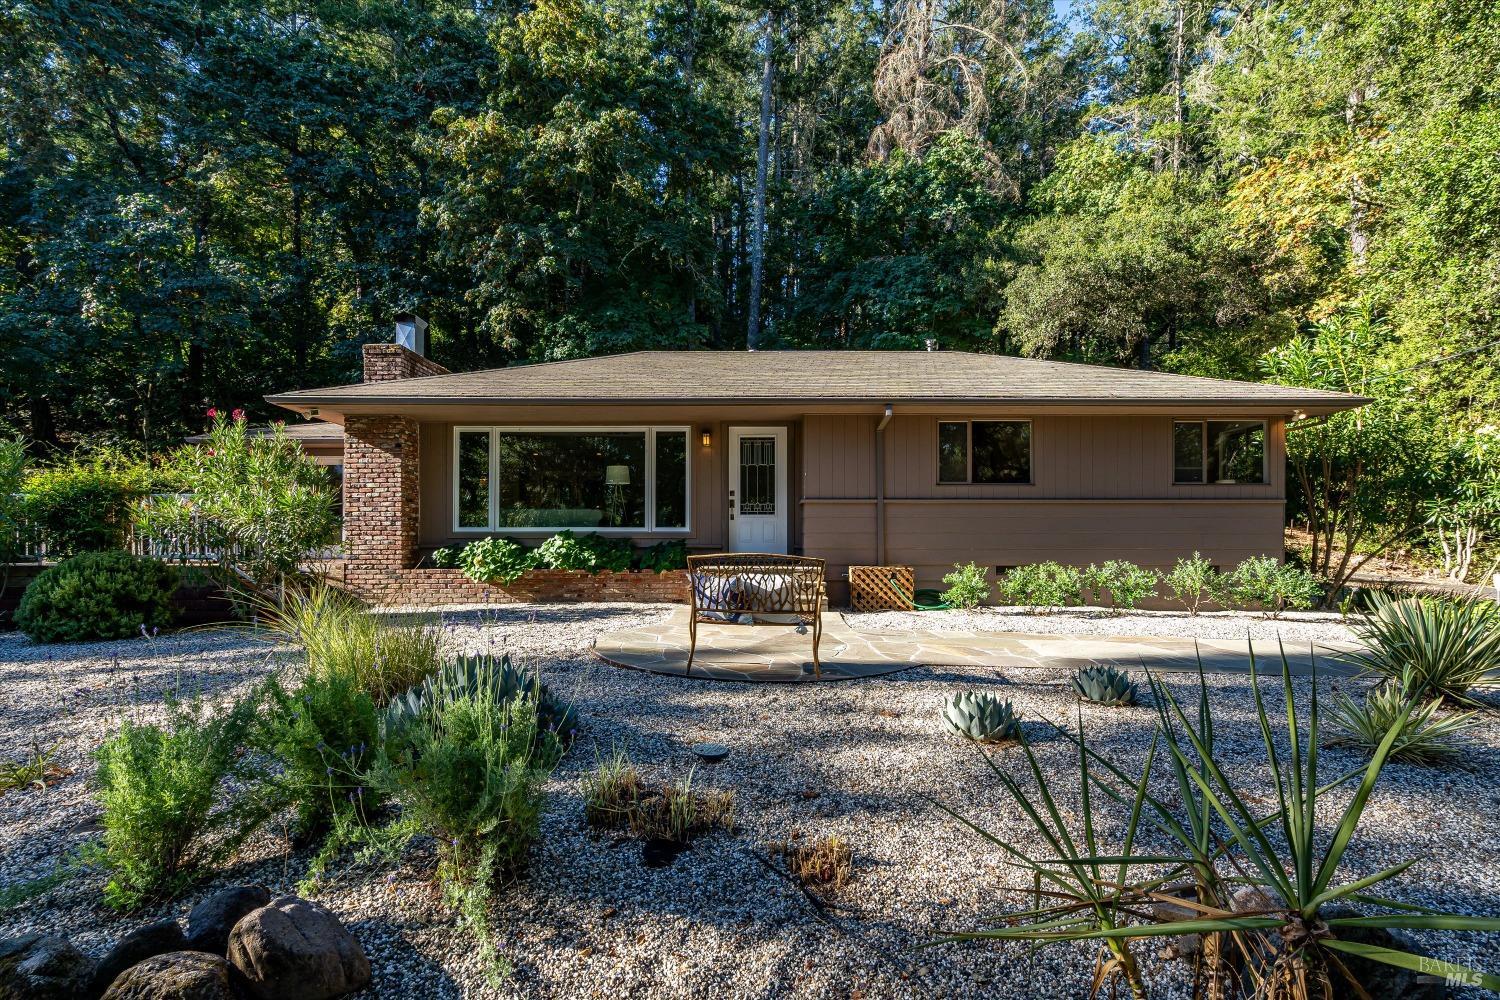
[[177, 975], [37, 967], [293, 949], [137, 946], [209, 923]]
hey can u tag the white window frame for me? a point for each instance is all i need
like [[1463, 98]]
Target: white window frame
[[1203, 422], [969, 423], [649, 430]]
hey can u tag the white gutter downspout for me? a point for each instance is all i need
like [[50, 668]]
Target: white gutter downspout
[[890, 411]]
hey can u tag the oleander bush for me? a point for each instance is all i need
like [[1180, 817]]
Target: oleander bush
[[1193, 582], [1044, 586], [1273, 585], [167, 810], [967, 587], [97, 595], [1126, 584]]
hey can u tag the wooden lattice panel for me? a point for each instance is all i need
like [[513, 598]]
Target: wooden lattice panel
[[871, 588]]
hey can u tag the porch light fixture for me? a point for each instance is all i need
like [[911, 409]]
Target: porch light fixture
[[707, 437]]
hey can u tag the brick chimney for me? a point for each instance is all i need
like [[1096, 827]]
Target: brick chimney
[[406, 358]]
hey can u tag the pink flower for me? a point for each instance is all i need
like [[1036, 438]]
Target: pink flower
[[213, 413], [237, 415]]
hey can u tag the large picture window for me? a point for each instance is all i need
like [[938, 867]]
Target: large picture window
[[1218, 451], [550, 478], [984, 451]]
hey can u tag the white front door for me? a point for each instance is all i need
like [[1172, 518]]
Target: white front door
[[757, 489]]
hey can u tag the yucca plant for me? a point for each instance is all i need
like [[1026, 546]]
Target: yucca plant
[[1426, 738], [1087, 896], [1449, 646], [1289, 946]]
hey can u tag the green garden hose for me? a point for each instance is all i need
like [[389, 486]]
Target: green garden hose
[[925, 599]]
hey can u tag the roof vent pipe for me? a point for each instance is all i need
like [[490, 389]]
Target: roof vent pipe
[[411, 333]]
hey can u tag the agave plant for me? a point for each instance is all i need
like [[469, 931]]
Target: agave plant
[[1425, 737], [981, 717], [1295, 937], [1448, 646], [466, 675], [1104, 685]]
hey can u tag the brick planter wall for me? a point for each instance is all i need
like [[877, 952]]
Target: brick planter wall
[[429, 587]]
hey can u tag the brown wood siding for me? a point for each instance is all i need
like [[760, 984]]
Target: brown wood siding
[[1102, 489], [1073, 458]]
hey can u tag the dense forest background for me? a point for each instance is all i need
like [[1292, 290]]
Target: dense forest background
[[207, 201]]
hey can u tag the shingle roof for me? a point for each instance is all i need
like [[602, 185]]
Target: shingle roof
[[815, 376]]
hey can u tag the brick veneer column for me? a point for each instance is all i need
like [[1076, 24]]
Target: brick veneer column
[[389, 362], [381, 505]]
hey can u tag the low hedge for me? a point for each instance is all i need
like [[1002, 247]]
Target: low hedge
[[97, 595], [502, 560]]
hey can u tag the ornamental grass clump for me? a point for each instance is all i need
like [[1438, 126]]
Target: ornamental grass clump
[[617, 797], [825, 864], [168, 812], [1261, 887], [1446, 646], [383, 655]]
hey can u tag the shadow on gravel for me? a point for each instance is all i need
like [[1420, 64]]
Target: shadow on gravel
[[400, 970]]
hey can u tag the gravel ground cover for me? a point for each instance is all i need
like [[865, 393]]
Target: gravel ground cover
[[1293, 626], [860, 759]]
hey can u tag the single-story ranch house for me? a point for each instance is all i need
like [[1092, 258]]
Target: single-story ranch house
[[919, 458]]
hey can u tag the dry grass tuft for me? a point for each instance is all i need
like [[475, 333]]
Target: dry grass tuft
[[617, 797], [826, 863]]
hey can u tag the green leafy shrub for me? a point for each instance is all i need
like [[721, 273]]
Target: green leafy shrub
[[496, 560], [1127, 584], [446, 558], [340, 637], [168, 815], [87, 503], [469, 771], [663, 557], [1425, 738], [260, 502], [12, 503], [967, 587], [324, 734], [595, 553], [1194, 581], [1043, 586], [97, 595], [1275, 586], [1440, 645]]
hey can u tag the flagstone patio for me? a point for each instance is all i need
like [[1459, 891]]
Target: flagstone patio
[[780, 654]]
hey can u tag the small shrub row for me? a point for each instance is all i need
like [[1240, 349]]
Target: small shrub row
[[502, 560], [1260, 581]]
